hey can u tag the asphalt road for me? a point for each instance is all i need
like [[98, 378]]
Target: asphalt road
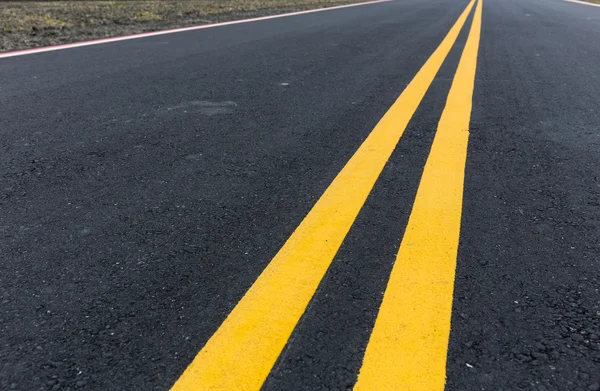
[[146, 184]]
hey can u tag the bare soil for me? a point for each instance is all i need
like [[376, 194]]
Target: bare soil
[[27, 24]]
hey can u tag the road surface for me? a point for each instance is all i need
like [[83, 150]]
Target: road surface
[[406, 190]]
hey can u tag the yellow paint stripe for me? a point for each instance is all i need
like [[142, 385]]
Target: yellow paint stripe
[[407, 349], [240, 355]]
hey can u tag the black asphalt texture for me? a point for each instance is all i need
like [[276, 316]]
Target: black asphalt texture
[[145, 184]]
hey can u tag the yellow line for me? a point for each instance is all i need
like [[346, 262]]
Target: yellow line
[[241, 353], [408, 346]]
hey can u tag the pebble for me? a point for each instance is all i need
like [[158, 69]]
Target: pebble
[[577, 337], [540, 356], [594, 387], [584, 376]]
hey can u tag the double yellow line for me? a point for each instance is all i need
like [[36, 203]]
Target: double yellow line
[[407, 348]]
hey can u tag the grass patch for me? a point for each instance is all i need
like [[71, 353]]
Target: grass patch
[[26, 24]]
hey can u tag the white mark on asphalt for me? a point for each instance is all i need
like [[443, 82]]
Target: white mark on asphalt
[[284, 84], [204, 107], [195, 156]]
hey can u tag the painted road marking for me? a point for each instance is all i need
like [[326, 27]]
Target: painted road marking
[[584, 3], [241, 353], [408, 346], [177, 30]]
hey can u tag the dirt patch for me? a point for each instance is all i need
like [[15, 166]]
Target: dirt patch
[[27, 24]]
